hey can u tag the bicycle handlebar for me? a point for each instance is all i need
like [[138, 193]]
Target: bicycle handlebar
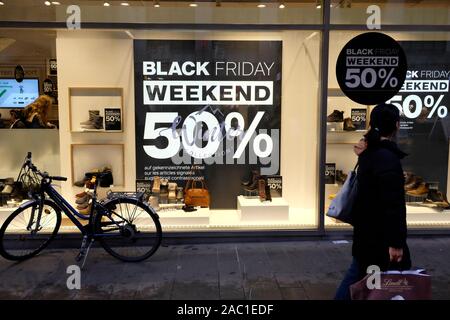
[[43, 175]]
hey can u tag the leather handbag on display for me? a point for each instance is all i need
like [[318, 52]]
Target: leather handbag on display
[[196, 194]]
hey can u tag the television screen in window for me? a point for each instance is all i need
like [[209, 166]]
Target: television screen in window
[[15, 94]]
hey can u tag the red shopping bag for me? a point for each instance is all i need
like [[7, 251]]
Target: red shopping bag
[[394, 285]]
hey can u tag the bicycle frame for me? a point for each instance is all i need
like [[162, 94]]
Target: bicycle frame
[[72, 213]]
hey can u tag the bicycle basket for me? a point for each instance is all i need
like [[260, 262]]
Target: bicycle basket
[[27, 184]]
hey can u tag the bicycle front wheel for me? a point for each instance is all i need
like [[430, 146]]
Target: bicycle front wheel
[[25, 233], [129, 230]]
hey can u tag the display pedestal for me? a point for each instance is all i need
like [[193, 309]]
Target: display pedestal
[[253, 210], [181, 218]]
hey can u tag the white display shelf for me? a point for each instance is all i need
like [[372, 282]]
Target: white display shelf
[[83, 99], [182, 218], [417, 216], [224, 220], [252, 209], [86, 157]]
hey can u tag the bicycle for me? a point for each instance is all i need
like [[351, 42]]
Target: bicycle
[[120, 223]]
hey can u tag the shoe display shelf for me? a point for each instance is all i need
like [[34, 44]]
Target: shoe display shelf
[[180, 219], [86, 157], [420, 215], [335, 130], [85, 99]]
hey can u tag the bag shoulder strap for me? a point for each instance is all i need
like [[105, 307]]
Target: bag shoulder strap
[[356, 166]]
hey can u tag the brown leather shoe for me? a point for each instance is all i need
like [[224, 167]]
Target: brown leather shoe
[[262, 189], [436, 198], [80, 195], [421, 190], [86, 210], [83, 206], [414, 184], [348, 125]]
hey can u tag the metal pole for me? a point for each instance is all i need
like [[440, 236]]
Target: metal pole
[[323, 112]]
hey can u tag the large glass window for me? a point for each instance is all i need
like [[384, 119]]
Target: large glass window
[[423, 131], [22, 129], [135, 80], [288, 62]]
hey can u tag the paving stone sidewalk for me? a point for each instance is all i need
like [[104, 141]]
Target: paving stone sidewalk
[[269, 270]]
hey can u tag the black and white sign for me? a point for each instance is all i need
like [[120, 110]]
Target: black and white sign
[[216, 104], [19, 73], [424, 100], [371, 68], [144, 186], [113, 119], [53, 66], [358, 116], [47, 87], [275, 184], [330, 173]]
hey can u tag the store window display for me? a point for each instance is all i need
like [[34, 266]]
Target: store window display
[[150, 104], [423, 133], [28, 110], [33, 116]]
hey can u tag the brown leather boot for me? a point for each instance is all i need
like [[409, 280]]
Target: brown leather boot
[[268, 195], [172, 190], [262, 189], [254, 185], [156, 185], [348, 125]]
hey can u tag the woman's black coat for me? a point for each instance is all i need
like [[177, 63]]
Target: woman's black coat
[[379, 215]]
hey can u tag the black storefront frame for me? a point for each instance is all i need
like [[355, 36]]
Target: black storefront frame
[[325, 28]]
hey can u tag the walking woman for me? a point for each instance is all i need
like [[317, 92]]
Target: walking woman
[[379, 214]]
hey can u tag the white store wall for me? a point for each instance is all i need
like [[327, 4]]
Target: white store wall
[[105, 59]]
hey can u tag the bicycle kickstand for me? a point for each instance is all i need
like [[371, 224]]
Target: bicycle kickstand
[[84, 250]]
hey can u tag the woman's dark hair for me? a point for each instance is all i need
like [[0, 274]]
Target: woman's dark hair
[[383, 123]]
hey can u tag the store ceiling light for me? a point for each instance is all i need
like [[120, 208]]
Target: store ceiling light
[[56, 3], [106, 4], [318, 4], [157, 5], [282, 6], [2, 3], [47, 3], [125, 4], [261, 5], [193, 5]]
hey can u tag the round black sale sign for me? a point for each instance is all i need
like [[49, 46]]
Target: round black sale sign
[[371, 68]]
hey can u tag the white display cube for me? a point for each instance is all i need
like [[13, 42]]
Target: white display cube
[[254, 210]]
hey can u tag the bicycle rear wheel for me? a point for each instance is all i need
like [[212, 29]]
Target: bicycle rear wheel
[[130, 230], [20, 235]]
